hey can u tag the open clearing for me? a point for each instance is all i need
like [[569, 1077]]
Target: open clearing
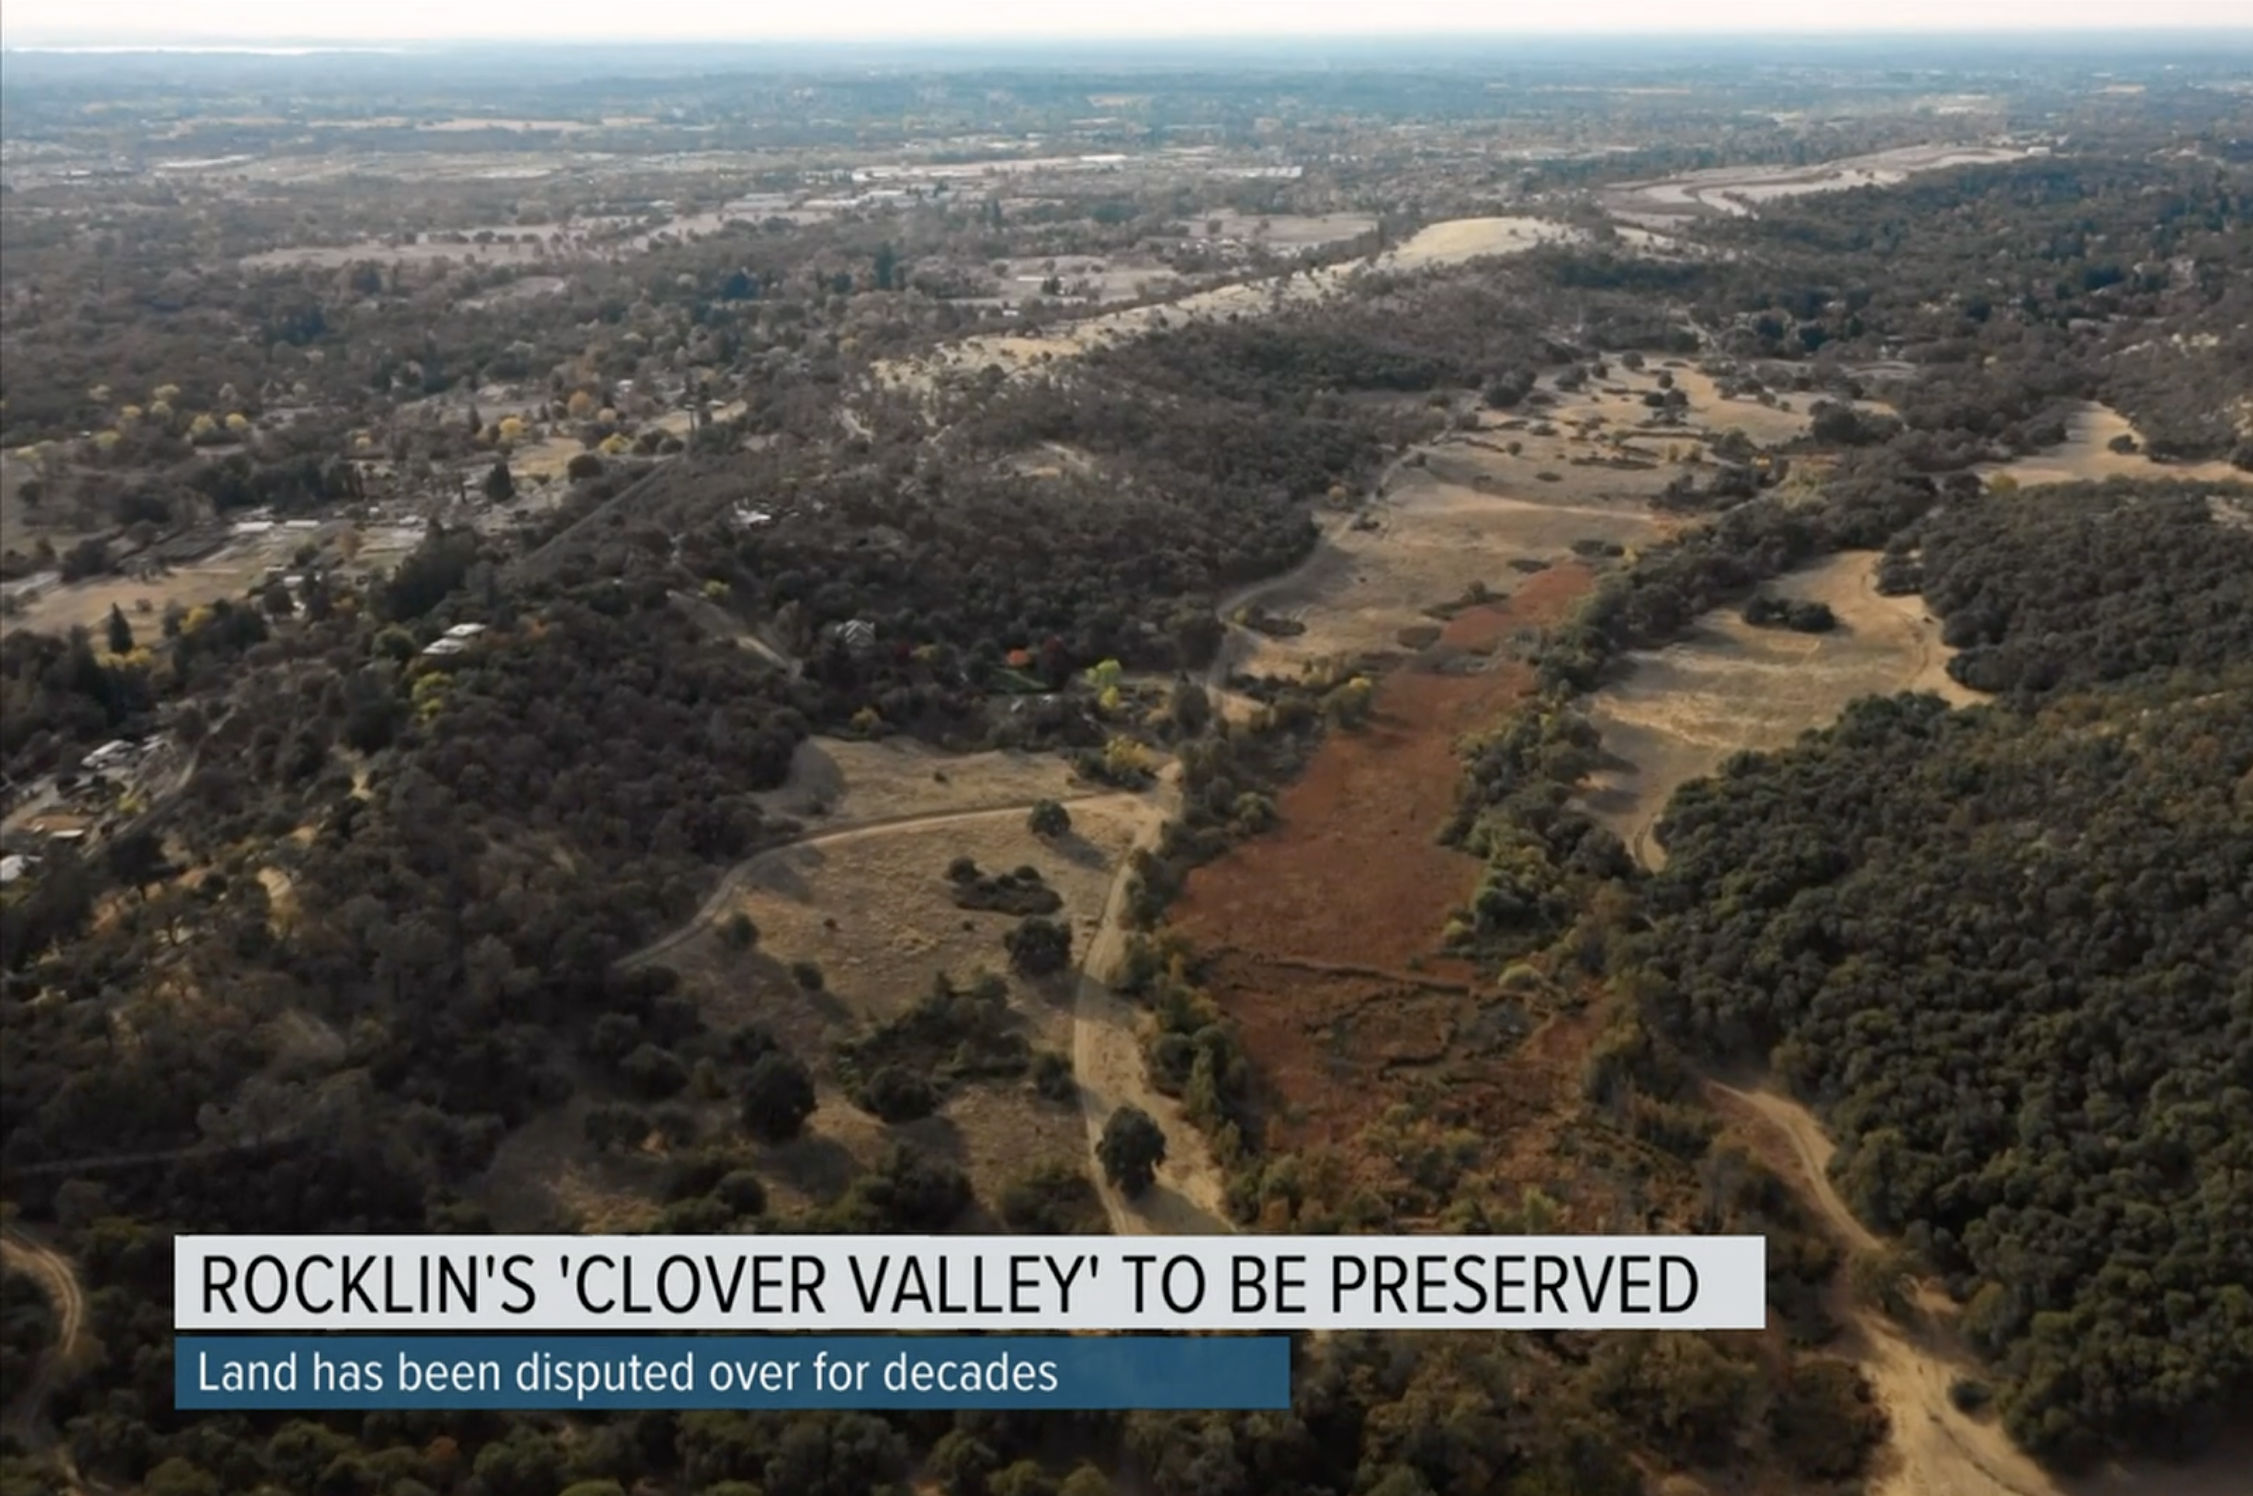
[[1459, 510], [854, 780], [1459, 239], [1569, 430], [874, 912], [2087, 455], [227, 575], [1432, 540], [1678, 712], [1615, 404]]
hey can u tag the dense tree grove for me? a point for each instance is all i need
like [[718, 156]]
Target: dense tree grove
[[2008, 956], [57, 693], [2072, 585], [434, 921]]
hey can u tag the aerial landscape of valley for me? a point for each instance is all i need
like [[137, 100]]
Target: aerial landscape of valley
[[1571, 635]]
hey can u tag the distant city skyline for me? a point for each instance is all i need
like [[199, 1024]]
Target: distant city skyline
[[273, 23]]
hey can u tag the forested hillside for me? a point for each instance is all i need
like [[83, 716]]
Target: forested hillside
[[2008, 953], [2072, 585]]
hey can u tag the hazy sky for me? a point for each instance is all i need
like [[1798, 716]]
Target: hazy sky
[[159, 21]]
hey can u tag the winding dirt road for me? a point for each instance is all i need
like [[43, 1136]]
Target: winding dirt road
[[1936, 1450], [57, 1279], [1187, 1199], [27, 1410], [1234, 635]]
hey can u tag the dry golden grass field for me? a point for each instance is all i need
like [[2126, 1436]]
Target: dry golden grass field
[[1676, 713]]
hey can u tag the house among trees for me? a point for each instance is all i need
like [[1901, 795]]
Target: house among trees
[[110, 754], [856, 634]]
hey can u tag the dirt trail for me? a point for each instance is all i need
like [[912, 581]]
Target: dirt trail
[[1937, 1451], [1187, 1199], [1909, 617], [722, 624], [27, 1411], [99, 1162], [1813, 1149], [58, 1280]]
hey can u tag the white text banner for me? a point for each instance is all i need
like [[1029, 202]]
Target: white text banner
[[464, 1284]]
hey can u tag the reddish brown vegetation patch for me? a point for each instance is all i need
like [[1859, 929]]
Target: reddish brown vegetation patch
[[1317, 922]]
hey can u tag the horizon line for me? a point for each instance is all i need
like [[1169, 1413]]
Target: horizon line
[[223, 42]]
